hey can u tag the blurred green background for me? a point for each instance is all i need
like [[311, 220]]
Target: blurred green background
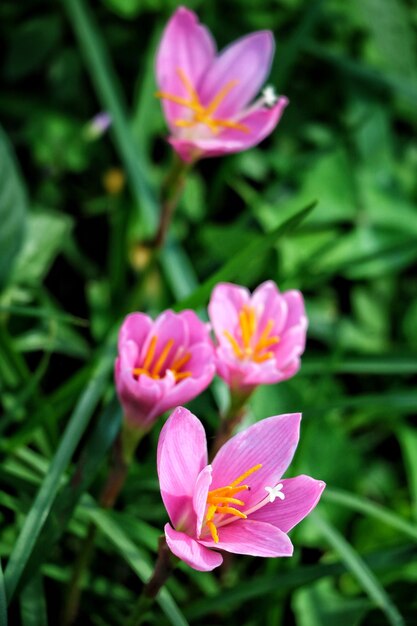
[[74, 214]]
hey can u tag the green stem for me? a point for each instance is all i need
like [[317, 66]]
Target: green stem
[[171, 194], [164, 567], [122, 456], [231, 419]]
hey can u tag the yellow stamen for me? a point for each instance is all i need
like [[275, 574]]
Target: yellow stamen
[[228, 490], [162, 358], [236, 348], [220, 499], [260, 358], [245, 327], [224, 91], [202, 114], [140, 370], [182, 375], [250, 471], [180, 362], [231, 511], [213, 531], [150, 353]]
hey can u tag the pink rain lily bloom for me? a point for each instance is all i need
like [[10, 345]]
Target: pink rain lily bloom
[[239, 503], [208, 97], [161, 364], [260, 337]]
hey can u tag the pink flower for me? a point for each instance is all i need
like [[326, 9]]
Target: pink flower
[[161, 364], [206, 96], [260, 336], [239, 503]]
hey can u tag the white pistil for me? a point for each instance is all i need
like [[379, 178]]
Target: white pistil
[[275, 492], [269, 96]]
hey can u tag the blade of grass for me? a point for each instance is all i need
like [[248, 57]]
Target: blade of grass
[[3, 600], [33, 604], [43, 502], [30, 311], [254, 249], [174, 261], [91, 459], [359, 569], [261, 586], [135, 557], [382, 364], [361, 505]]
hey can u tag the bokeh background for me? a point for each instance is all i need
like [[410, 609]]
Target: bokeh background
[[74, 216]]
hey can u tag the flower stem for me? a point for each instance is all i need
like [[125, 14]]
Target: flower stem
[[231, 419], [171, 194], [122, 454], [164, 567]]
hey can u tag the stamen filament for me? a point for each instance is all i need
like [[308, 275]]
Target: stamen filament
[[260, 358], [220, 499], [229, 490], [245, 475], [231, 511], [150, 354], [181, 375], [162, 357], [236, 348], [224, 91], [213, 531], [181, 361], [244, 327]]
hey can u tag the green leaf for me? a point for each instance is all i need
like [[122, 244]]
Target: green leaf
[[33, 603], [44, 500], [260, 586], [408, 440], [360, 504], [359, 569], [3, 600], [137, 561], [91, 459], [13, 209], [257, 248], [177, 267], [44, 238]]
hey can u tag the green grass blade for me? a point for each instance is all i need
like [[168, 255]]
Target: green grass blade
[[259, 246], [3, 600], [408, 439], [43, 502], [264, 585], [91, 459], [33, 604], [359, 569], [174, 261], [383, 364], [361, 505], [134, 556], [13, 209]]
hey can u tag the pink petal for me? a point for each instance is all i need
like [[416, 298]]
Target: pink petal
[[248, 61], [260, 122], [138, 397], [185, 45], [191, 551], [290, 347], [296, 309], [301, 496], [225, 304], [135, 327], [253, 538], [188, 388], [270, 442], [200, 496], [182, 454], [167, 326], [270, 305], [197, 331]]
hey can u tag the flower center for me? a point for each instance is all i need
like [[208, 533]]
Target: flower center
[[202, 114], [156, 368], [219, 503], [250, 344]]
